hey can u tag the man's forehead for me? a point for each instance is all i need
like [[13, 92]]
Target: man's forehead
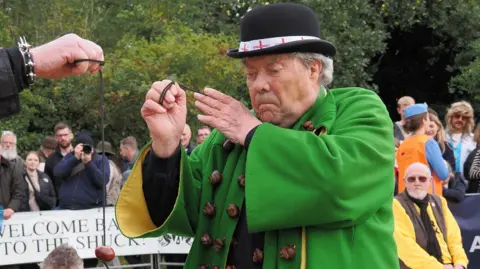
[[418, 171], [268, 59], [8, 138], [63, 131]]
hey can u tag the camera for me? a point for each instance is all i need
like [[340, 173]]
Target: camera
[[87, 149]]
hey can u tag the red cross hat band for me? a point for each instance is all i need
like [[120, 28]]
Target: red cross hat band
[[271, 42]]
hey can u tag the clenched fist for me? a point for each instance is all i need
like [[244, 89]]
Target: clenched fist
[[166, 121], [55, 59]]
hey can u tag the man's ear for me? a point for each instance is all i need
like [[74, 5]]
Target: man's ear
[[315, 69]]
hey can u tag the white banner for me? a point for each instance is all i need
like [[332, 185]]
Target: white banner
[[29, 237]]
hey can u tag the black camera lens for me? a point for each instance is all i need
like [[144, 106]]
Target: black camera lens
[[87, 149]]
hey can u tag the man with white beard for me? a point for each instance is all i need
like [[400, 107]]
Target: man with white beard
[[9, 151], [426, 233]]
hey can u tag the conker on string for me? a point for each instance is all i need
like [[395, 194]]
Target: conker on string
[[104, 253]]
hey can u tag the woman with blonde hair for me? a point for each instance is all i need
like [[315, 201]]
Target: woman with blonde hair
[[437, 132]]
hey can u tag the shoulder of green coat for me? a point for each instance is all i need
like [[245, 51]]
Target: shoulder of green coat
[[360, 101]]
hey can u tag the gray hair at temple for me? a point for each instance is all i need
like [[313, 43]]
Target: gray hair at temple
[[63, 257], [327, 65]]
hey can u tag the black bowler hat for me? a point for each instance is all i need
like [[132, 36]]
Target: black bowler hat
[[280, 28]]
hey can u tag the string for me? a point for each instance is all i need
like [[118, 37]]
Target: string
[[102, 119], [169, 85]]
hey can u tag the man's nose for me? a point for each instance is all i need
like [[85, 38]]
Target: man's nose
[[261, 83]]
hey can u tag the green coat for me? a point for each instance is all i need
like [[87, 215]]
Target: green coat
[[329, 194]]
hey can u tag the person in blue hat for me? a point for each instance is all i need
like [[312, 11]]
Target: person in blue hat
[[419, 147]]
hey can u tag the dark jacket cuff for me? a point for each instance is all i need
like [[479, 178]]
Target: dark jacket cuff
[[17, 63], [249, 137], [164, 165]]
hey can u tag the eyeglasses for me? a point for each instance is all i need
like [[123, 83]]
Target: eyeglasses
[[422, 179], [458, 116]]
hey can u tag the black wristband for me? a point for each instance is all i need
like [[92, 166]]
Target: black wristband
[[17, 63]]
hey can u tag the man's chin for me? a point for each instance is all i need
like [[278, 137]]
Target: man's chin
[[418, 194], [65, 146]]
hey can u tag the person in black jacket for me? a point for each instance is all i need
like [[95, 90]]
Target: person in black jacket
[[21, 65], [64, 136], [12, 189], [40, 194]]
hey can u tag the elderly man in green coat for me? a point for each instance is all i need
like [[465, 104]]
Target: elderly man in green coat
[[303, 181]]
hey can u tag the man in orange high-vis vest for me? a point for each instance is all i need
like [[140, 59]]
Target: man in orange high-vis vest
[[420, 147]]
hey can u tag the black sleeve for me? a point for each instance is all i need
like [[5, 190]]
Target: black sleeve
[[16, 61], [12, 81], [249, 137], [161, 179], [449, 156]]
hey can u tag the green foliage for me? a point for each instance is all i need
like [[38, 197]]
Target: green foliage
[[357, 31], [469, 79]]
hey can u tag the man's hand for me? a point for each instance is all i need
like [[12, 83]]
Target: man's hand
[[7, 213], [165, 122], [78, 151], [229, 116], [55, 59], [458, 266], [86, 158], [448, 266]]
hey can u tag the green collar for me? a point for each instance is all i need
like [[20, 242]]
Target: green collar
[[318, 112]]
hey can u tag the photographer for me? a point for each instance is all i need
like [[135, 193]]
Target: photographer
[[81, 175]]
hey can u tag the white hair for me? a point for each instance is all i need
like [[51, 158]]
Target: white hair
[[9, 133], [326, 77]]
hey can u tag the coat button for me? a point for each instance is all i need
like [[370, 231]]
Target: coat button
[[203, 266], [231, 267], [215, 178], [308, 126], [232, 211], [209, 209], [258, 256], [218, 244], [228, 145], [241, 181], [287, 252], [206, 240]]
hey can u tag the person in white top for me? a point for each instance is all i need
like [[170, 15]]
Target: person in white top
[[459, 123]]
